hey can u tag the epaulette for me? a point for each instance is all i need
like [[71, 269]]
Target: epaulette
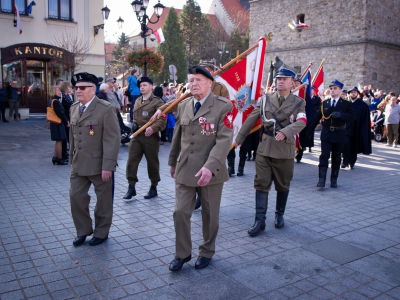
[[223, 99], [75, 103], [105, 103]]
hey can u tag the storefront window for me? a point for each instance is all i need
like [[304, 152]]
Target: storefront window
[[35, 80], [60, 71], [13, 72]]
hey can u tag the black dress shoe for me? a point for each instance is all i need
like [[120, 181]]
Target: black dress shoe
[[198, 203], [96, 241], [202, 262], [351, 166], [343, 166], [79, 240], [152, 192], [131, 192], [177, 263]]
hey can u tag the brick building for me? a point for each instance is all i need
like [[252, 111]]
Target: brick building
[[360, 39]]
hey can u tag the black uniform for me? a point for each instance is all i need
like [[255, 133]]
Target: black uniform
[[333, 131]]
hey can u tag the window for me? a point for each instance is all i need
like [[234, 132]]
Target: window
[[300, 18], [60, 10], [7, 6]]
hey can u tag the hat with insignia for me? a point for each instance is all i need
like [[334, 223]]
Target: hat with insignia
[[200, 70], [84, 77], [353, 89], [285, 73], [337, 83], [144, 79]]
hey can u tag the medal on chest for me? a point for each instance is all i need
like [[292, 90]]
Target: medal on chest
[[91, 131], [145, 113]]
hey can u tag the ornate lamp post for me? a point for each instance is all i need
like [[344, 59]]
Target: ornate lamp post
[[105, 12], [139, 7]]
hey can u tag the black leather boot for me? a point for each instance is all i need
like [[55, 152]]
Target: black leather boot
[[242, 162], [152, 192], [231, 166], [334, 176], [281, 199], [322, 177], [131, 192], [198, 202], [261, 210]]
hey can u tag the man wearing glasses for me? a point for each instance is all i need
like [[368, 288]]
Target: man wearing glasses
[[94, 145]]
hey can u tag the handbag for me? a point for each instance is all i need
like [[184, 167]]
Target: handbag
[[51, 115]]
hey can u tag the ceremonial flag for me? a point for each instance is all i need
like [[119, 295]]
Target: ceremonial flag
[[159, 36], [29, 7], [308, 89], [243, 82], [318, 80], [19, 26]]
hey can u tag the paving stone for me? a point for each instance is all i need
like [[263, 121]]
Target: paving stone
[[365, 240], [321, 293], [15, 295]]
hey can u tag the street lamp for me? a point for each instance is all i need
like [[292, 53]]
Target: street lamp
[[139, 7], [105, 11], [120, 21]]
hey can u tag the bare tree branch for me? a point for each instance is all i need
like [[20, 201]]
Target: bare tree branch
[[77, 44]]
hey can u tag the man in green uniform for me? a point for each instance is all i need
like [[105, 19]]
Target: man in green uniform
[[200, 144], [147, 142], [283, 116], [94, 138]]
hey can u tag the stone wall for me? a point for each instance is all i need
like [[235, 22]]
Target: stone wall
[[351, 35]]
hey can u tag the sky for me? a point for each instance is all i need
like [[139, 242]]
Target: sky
[[123, 9]]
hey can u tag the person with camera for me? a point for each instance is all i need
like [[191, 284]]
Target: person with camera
[[147, 142]]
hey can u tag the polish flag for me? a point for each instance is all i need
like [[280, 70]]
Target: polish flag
[[318, 81], [243, 82], [159, 36], [19, 26]]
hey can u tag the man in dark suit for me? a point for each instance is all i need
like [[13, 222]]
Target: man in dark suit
[[199, 147], [94, 145], [335, 112]]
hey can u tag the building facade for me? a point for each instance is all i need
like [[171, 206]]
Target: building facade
[[360, 39], [33, 60]]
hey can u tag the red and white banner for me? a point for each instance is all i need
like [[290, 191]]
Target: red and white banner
[[19, 26], [318, 81], [159, 36], [243, 82]]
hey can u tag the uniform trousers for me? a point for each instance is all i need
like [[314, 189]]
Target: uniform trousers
[[326, 149], [268, 170], [149, 146], [185, 200], [80, 200], [350, 151]]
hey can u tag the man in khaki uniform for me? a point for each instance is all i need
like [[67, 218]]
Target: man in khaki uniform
[[94, 138], [199, 146], [147, 142], [283, 116]]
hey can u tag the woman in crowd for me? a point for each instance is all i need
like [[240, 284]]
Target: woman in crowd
[[103, 90], [67, 99], [57, 131]]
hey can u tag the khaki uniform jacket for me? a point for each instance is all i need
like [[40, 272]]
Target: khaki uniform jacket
[[90, 154], [217, 88], [191, 150], [268, 146], [142, 112]]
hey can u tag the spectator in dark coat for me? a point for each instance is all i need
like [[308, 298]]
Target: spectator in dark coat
[[3, 95], [103, 90], [57, 131], [66, 100]]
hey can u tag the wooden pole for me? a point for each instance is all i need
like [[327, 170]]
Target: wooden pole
[[319, 70], [186, 95], [299, 87]]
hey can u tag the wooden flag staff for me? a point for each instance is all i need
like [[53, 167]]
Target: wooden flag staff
[[319, 69]]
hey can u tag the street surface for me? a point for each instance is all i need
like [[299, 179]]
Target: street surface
[[339, 243]]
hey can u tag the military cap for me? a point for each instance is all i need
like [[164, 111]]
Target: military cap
[[110, 80], [353, 89], [200, 70], [344, 91], [285, 73], [144, 79], [337, 83], [84, 77]]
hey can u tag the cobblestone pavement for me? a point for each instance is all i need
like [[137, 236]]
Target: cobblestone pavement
[[337, 243]]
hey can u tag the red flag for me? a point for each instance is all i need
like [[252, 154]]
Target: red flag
[[159, 35], [243, 82], [19, 26], [318, 81]]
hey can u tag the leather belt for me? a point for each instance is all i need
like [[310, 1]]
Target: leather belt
[[333, 128]]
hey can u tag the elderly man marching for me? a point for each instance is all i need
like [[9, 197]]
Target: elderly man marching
[[197, 162], [283, 116]]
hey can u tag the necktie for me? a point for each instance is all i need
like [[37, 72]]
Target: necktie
[[333, 103], [197, 107], [281, 100], [81, 110]]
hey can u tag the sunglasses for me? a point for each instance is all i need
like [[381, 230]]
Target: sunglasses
[[83, 87]]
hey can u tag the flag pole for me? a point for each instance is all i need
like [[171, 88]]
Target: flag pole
[[306, 70], [319, 70], [186, 95], [299, 87]]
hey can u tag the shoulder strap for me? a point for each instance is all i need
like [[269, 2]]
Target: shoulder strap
[[285, 118]]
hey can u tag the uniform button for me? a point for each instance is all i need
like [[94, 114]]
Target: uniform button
[[191, 143], [191, 152], [79, 148], [192, 133]]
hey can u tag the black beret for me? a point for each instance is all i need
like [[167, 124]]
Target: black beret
[[144, 79], [200, 70], [84, 77]]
